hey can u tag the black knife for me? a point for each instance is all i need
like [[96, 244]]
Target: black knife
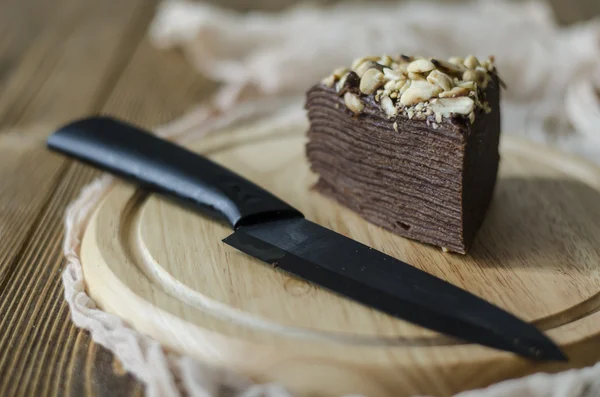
[[268, 229]]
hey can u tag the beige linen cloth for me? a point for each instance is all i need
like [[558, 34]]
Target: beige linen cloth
[[267, 61]]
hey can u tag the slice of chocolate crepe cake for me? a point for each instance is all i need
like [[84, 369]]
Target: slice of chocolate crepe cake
[[409, 143]]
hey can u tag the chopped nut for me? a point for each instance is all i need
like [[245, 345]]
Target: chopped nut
[[417, 93], [471, 62], [329, 81], [423, 83], [416, 86], [472, 117], [447, 106], [405, 86], [489, 63], [353, 102], [438, 117], [340, 84], [440, 79], [416, 76], [435, 126], [371, 81], [456, 91], [395, 125], [482, 76], [358, 61], [350, 79], [385, 60], [420, 66], [339, 72], [448, 67], [363, 67], [470, 75], [392, 75], [388, 106], [468, 85], [390, 85], [481, 79], [474, 94], [402, 68]]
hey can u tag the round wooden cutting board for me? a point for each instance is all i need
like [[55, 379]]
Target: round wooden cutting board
[[164, 270]]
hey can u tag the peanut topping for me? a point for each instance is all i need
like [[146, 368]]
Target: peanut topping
[[417, 93], [388, 106], [471, 62], [420, 66], [440, 79], [364, 67], [353, 102], [456, 91], [416, 87], [371, 81], [446, 106]]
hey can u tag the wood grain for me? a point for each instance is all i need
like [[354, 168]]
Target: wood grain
[[36, 324], [536, 256], [105, 85], [43, 353], [60, 60], [96, 40]]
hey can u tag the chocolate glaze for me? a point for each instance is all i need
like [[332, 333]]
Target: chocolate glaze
[[431, 185]]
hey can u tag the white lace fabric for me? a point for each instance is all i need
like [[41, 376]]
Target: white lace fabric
[[552, 74]]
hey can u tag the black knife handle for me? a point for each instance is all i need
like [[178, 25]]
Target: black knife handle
[[161, 166]]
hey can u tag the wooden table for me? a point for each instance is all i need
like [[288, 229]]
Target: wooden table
[[60, 60]]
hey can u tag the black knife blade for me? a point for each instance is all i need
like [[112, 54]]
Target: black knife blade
[[370, 277], [270, 230]]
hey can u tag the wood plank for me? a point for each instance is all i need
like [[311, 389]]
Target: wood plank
[[57, 348], [77, 45], [22, 198], [38, 343], [156, 87], [90, 57], [16, 37], [69, 67]]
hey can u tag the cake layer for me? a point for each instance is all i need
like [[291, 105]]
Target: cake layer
[[417, 200]]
